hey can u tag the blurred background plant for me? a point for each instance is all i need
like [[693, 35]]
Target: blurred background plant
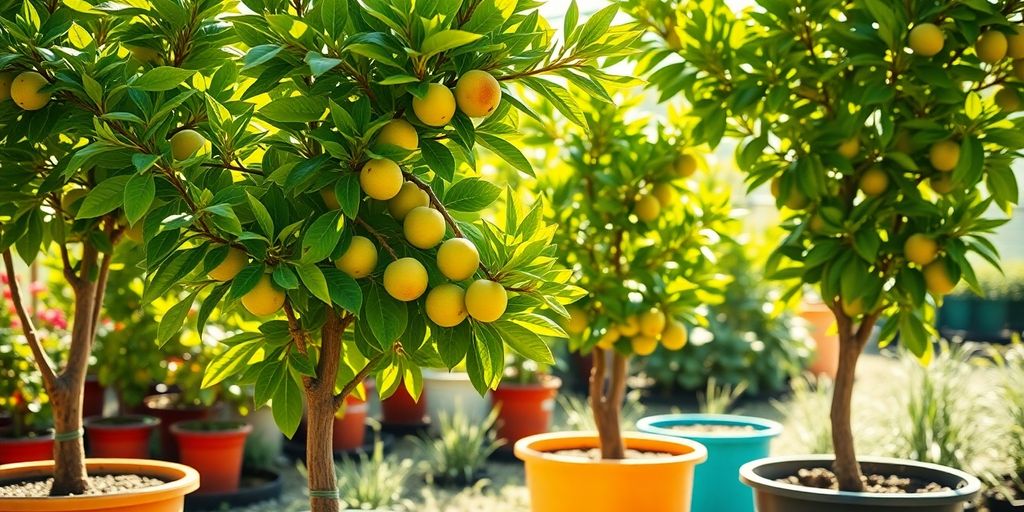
[[719, 399], [373, 481], [458, 455], [576, 413]]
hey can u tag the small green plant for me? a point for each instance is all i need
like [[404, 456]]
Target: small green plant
[[809, 397], [457, 457], [373, 481], [578, 415], [719, 399]]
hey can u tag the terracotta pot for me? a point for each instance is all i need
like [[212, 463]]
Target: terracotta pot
[[821, 320], [125, 437], [350, 425], [168, 410], [93, 397], [524, 409], [401, 409], [558, 483], [25, 449], [169, 497], [215, 449]]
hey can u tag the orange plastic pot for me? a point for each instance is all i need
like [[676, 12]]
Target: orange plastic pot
[[124, 437], [169, 410], [821, 319], [525, 409], [214, 449], [401, 409], [350, 425], [558, 483], [25, 449], [169, 497]]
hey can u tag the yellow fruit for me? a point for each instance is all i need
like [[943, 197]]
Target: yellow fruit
[[674, 336], [25, 91], [424, 227], [145, 54], [381, 179], [577, 321], [665, 193], [405, 279], [437, 107], [652, 322], [1015, 44], [446, 305], [685, 165], [630, 326], [926, 39], [944, 155], [1007, 99], [399, 132], [477, 93], [794, 200], [644, 345], [937, 280], [5, 85], [72, 200], [186, 143], [359, 259], [458, 259], [849, 147], [233, 263], [921, 249], [942, 183], [608, 339], [991, 46], [486, 300], [647, 208], [409, 196], [264, 299], [874, 182], [1018, 69], [329, 197]]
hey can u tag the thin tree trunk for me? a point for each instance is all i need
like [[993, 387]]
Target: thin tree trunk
[[320, 410], [607, 405], [846, 468], [69, 475]]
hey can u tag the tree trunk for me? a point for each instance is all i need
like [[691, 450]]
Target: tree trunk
[[319, 452], [69, 476], [606, 403], [846, 467]]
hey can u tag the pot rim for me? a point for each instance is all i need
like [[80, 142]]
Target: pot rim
[[185, 480], [547, 382], [144, 420], [176, 396], [180, 428], [749, 476], [764, 428], [43, 435], [444, 375], [525, 451]]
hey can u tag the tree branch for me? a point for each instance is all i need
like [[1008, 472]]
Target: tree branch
[[380, 238], [360, 377], [28, 328]]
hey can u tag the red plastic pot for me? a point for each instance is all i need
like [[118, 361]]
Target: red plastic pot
[[401, 409], [525, 409], [120, 437], [26, 449], [215, 449], [93, 397], [168, 409], [350, 425]]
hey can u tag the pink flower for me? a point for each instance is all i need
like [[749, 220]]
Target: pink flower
[[36, 287]]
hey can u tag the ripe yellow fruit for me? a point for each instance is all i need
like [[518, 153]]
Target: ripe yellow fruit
[[686, 165], [942, 183], [424, 227], [72, 200], [486, 300], [937, 280], [409, 196], [608, 339], [1018, 69], [795, 198], [1007, 100], [186, 143], [874, 182], [437, 107], [652, 322], [944, 155], [630, 326], [647, 208], [381, 178], [399, 132], [5, 85], [665, 193], [264, 299], [330, 198], [405, 279], [233, 263], [849, 147], [359, 259], [446, 305], [926, 39], [25, 91], [644, 345], [477, 93], [577, 321], [921, 249], [1015, 44], [458, 259], [991, 46], [674, 336], [145, 55]]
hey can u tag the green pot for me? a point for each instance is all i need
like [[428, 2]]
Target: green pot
[[955, 313], [1016, 314], [990, 316]]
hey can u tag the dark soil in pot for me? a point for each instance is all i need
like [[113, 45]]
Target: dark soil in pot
[[98, 485], [823, 478], [712, 428], [1006, 497]]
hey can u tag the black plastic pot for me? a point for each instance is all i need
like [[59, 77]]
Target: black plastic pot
[[996, 499], [256, 485], [774, 496]]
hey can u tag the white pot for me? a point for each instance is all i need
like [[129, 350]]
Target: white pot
[[451, 391]]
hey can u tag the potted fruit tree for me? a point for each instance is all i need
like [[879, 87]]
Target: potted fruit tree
[[314, 184], [637, 234], [887, 136]]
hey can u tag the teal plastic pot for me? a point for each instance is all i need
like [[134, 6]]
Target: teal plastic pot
[[956, 313], [1016, 315], [716, 485], [990, 316]]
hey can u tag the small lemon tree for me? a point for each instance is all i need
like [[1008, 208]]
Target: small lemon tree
[[887, 135], [639, 236]]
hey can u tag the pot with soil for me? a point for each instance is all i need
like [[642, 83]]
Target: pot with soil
[[31, 446], [215, 449], [124, 437], [169, 410], [115, 485], [731, 441], [453, 391], [524, 409], [401, 411], [656, 474], [804, 484]]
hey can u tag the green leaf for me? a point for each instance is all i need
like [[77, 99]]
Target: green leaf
[[439, 158], [173, 319], [452, 342], [246, 280], [347, 190], [231, 361], [446, 40], [287, 406], [163, 78], [322, 237], [314, 280], [344, 290], [105, 198], [285, 277], [209, 304], [138, 196], [471, 195], [268, 381], [386, 316], [334, 14], [294, 109], [143, 162], [525, 342], [320, 64], [506, 151], [262, 215]]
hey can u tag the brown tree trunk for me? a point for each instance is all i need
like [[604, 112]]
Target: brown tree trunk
[[846, 468], [320, 409], [69, 475], [606, 403]]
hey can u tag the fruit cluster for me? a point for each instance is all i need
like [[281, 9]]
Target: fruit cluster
[[661, 194], [640, 333]]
